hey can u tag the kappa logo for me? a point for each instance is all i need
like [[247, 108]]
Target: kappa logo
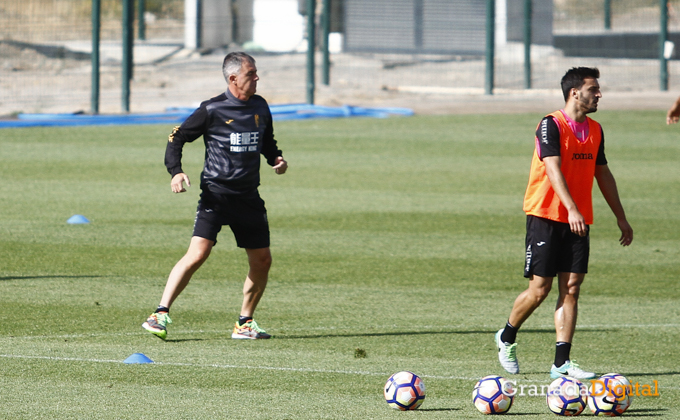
[[229, 121], [540, 243]]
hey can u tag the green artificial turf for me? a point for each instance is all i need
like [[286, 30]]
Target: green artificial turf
[[397, 245]]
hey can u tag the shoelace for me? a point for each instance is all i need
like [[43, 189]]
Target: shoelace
[[253, 326], [510, 351], [163, 319], [574, 367]]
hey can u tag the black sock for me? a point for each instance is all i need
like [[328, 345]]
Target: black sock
[[243, 319], [562, 351], [162, 309], [509, 334]]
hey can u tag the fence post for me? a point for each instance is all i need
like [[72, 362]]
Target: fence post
[[141, 24], [96, 31], [490, 45], [127, 53], [418, 24], [607, 14], [311, 35], [527, 43], [663, 37], [325, 30]]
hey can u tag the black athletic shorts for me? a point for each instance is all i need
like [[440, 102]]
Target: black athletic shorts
[[244, 213], [551, 248]]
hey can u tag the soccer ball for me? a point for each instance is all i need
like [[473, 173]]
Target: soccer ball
[[404, 391], [493, 395], [567, 396], [610, 395]]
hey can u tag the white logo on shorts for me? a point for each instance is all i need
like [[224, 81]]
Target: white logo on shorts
[[528, 258], [540, 243]]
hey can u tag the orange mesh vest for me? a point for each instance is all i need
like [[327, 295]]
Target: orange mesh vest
[[578, 168]]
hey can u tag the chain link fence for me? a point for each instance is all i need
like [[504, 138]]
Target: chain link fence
[[45, 52]]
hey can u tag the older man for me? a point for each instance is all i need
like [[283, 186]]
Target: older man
[[236, 127]]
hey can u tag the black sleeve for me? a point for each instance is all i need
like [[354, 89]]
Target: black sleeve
[[548, 138], [601, 158], [269, 149], [191, 129]]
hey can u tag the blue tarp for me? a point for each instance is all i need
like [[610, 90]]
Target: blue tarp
[[177, 115]]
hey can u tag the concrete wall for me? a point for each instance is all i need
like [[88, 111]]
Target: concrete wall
[[221, 23], [541, 21]]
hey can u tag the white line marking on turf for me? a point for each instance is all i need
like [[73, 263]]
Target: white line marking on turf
[[221, 366], [274, 368]]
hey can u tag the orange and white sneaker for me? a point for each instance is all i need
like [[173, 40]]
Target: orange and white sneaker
[[249, 331]]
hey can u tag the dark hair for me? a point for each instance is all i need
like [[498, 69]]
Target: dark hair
[[575, 78], [233, 61]]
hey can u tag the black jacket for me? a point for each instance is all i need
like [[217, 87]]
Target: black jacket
[[235, 133]]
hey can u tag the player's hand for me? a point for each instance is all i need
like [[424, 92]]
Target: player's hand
[[626, 232], [280, 165], [577, 223], [673, 114], [177, 183]]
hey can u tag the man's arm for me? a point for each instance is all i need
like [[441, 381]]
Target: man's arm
[[191, 129], [674, 113], [607, 184], [270, 150], [552, 168]]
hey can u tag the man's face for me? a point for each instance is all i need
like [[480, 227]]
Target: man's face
[[245, 83], [588, 96]]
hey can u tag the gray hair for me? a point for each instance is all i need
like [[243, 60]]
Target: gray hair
[[233, 62]]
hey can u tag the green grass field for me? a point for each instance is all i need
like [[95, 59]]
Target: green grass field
[[400, 237]]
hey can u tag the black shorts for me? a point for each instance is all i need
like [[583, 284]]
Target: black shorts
[[551, 248], [244, 213]]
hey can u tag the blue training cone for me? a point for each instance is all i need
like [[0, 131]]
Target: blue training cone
[[77, 219], [138, 358]]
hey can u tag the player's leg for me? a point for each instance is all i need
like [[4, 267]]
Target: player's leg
[[566, 313], [525, 304], [566, 310], [259, 262], [540, 269], [530, 299], [251, 230], [198, 252]]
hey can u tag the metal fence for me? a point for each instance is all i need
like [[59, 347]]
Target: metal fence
[[45, 51]]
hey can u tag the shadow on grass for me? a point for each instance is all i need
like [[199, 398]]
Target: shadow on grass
[[646, 412], [439, 409], [403, 333], [184, 340], [47, 277], [653, 374]]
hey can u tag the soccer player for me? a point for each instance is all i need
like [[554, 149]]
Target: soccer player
[[236, 127], [569, 155]]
